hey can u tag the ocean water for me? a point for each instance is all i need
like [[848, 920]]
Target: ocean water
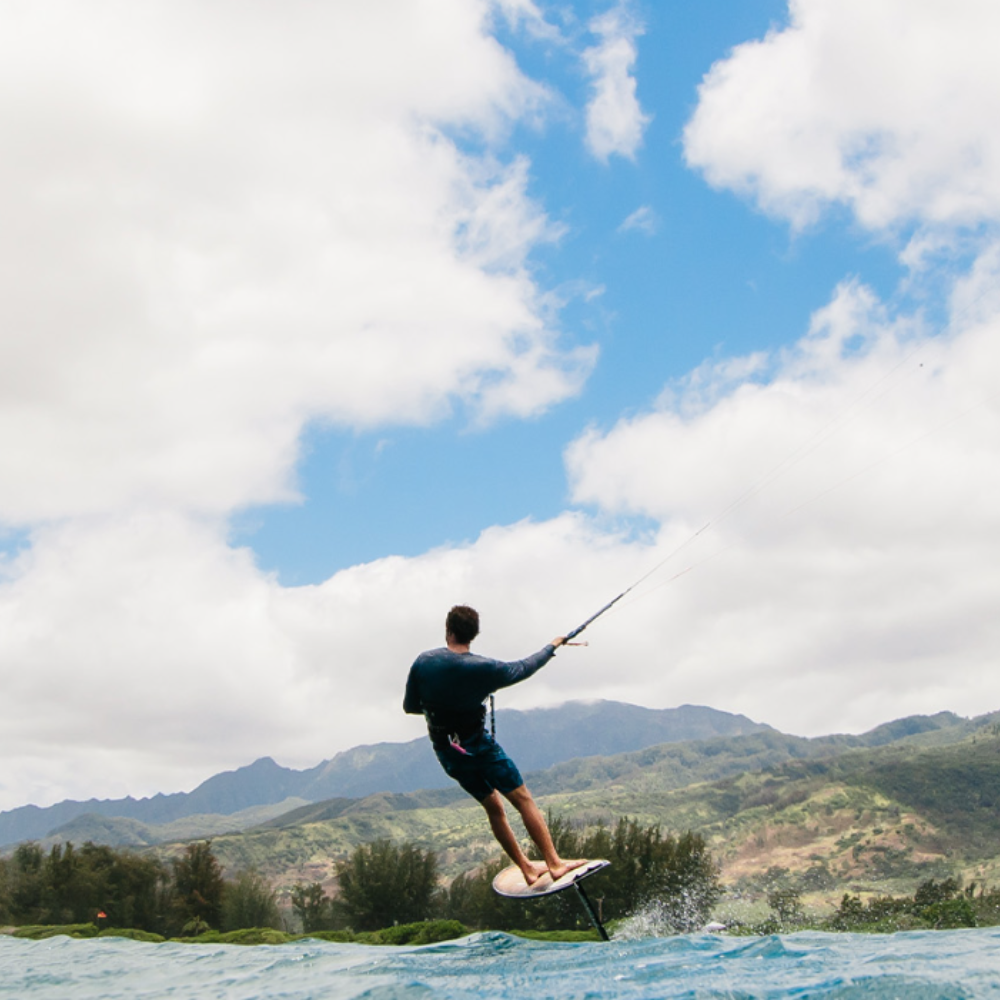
[[908, 966]]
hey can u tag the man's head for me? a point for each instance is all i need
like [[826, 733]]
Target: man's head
[[462, 624]]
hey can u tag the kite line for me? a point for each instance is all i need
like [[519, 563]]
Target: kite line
[[862, 401]]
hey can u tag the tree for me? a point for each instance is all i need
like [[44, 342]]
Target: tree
[[786, 904], [70, 885], [470, 899], [312, 906], [943, 904], [26, 882], [71, 892], [133, 888], [382, 884], [686, 878], [676, 875], [249, 901], [198, 887], [5, 914]]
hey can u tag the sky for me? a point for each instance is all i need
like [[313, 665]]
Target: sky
[[317, 319]]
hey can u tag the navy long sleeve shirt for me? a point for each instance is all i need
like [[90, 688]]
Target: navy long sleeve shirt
[[453, 686]]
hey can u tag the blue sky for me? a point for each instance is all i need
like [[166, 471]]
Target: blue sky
[[315, 322], [710, 276]]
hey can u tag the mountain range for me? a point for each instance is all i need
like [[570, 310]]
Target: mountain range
[[537, 739], [883, 811]]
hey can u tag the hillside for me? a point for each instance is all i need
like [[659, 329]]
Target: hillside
[[118, 831], [536, 739], [894, 812], [892, 806]]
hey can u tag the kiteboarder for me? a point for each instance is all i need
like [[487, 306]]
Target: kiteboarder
[[449, 686]]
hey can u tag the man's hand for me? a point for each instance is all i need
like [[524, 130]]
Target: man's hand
[[558, 641]]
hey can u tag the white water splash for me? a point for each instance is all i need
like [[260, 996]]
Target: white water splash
[[681, 914]]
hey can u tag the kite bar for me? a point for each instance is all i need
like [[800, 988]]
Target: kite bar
[[593, 618]]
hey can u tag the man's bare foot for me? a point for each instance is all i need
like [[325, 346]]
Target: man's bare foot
[[567, 866], [536, 870]]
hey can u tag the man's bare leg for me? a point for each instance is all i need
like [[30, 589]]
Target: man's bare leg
[[538, 830], [532, 870]]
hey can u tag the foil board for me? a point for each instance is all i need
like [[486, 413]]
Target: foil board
[[510, 882]]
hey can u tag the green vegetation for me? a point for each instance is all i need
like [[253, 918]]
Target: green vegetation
[[249, 901], [198, 888], [646, 865], [916, 808], [311, 905], [935, 905], [101, 890], [391, 894], [422, 932], [66, 886], [381, 884], [839, 833]]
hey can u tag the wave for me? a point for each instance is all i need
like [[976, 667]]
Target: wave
[[944, 965]]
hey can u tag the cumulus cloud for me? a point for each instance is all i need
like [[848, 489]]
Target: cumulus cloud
[[823, 520], [832, 518], [857, 555], [224, 222], [887, 108], [161, 655], [615, 119]]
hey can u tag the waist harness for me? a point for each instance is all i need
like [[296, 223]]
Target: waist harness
[[454, 727]]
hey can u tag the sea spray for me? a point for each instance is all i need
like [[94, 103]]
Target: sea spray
[[683, 913]]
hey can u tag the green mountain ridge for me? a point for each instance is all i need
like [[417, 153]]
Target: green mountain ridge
[[121, 831], [535, 738], [916, 798]]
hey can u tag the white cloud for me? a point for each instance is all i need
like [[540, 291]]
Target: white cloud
[[888, 108], [863, 576], [859, 575], [160, 655], [644, 220], [525, 14], [849, 559], [859, 562], [615, 120], [222, 222]]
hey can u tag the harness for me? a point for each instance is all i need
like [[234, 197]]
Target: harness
[[454, 728]]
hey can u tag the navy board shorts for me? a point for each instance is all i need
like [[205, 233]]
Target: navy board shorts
[[481, 766]]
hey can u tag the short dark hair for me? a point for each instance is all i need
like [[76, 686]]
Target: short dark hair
[[462, 624]]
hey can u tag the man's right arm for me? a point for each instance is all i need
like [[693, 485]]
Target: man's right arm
[[507, 674], [411, 700]]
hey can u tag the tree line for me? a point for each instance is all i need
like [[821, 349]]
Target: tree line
[[935, 905], [123, 889], [381, 884]]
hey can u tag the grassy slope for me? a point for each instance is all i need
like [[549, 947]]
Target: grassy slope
[[882, 816]]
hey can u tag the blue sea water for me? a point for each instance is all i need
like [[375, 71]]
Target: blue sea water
[[907, 966]]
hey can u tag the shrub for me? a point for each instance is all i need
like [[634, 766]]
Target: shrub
[[249, 901], [382, 884]]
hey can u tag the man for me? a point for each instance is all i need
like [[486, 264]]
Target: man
[[449, 686]]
